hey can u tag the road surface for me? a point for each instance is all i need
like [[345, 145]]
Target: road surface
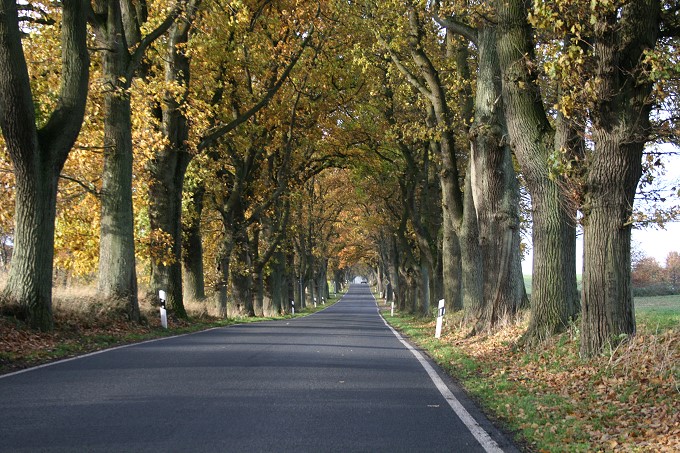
[[338, 380]]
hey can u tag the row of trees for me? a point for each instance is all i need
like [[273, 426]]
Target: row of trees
[[652, 279], [175, 104], [576, 91], [261, 146]]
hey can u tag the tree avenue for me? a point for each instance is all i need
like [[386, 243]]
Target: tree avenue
[[251, 154]]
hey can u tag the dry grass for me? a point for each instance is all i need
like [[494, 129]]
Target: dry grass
[[84, 301], [84, 322]]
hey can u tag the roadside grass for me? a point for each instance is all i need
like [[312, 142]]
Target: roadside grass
[[658, 312], [85, 323], [627, 399]]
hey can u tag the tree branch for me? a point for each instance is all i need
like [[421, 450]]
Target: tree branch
[[218, 132], [63, 127], [89, 188], [138, 55], [469, 33], [412, 79]]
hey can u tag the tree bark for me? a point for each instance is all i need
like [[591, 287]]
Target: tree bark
[[38, 155], [621, 127], [117, 268], [554, 275], [226, 246], [168, 169], [496, 192], [115, 36], [192, 255]]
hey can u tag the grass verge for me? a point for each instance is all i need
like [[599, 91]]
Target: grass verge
[[627, 399]]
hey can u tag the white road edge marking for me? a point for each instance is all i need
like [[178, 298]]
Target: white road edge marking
[[480, 434], [101, 351]]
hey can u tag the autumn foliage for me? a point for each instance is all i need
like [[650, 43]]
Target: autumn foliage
[[652, 279]]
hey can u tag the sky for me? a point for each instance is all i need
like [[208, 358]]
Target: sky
[[652, 241]]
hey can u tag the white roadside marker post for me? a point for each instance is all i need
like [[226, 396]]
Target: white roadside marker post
[[323, 301], [440, 316], [164, 312], [392, 310], [315, 302], [292, 306]]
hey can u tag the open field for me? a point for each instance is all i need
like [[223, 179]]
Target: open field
[[662, 311], [658, 312]]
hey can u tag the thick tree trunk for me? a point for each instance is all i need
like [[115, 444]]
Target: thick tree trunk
[[451, 267], [297, 293], [310, 285], [471, 257], [39, 155], [165, 216], [423, 308], [496, 192], [608, 310], [192, 254], [241, 281], [117, 268], [554, 295], [554, 274], [322, 281], [30, 278], [393, 268], [258, 303], [279, 288], [621, 128], [223, 268], [167, 170]]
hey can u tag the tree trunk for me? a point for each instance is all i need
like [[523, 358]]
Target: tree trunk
[[223, 269], [607, 303], [425, 282], [471, 256], [297, 293], [259, 308], [165, 216], [38, 155], [310, 284], [496, 192], [451, 267], [393, 269], [192, 255], [167, 174], [279, 289], [322, 281], [117, 268], [554, 295], [554, 273], [621, 127], [241, 281], [30, 278]]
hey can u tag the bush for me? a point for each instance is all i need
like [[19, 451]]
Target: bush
[[656, 289]]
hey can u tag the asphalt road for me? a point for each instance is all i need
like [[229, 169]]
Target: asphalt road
[[339, 380]]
